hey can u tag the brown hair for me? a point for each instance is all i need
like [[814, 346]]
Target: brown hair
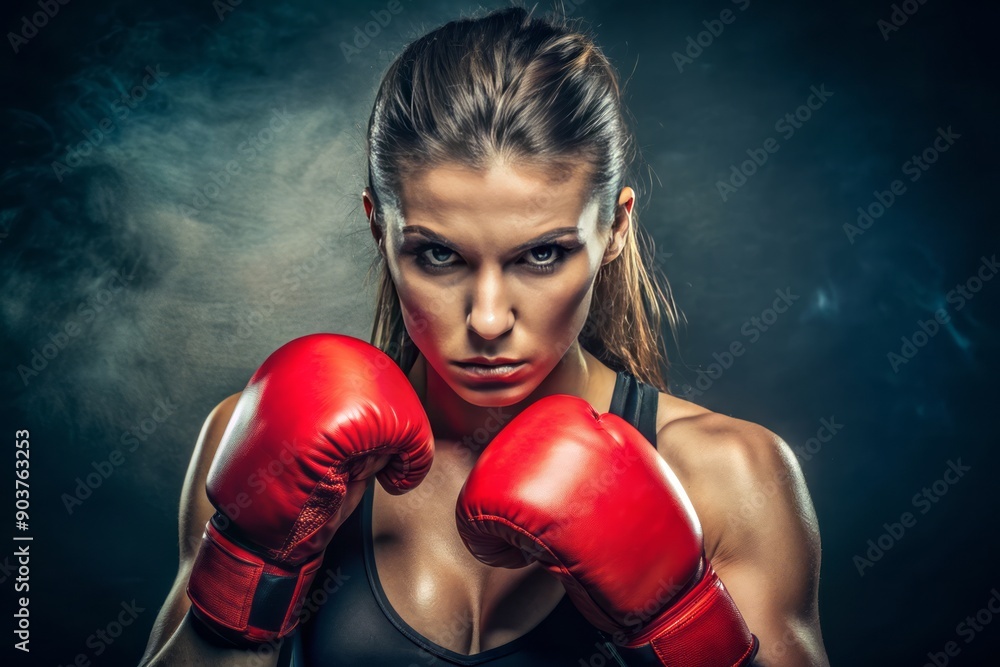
[[513, 86]]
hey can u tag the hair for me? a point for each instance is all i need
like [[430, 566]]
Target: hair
[[510, 86]]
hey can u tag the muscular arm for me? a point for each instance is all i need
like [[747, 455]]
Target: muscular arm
[[173, 641], [761, 532]]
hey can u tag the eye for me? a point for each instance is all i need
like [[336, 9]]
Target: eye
[[542, 259], [433, 256], [546, 252], [545, 257]]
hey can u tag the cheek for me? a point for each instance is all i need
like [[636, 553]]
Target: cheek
[[427, 308], [559, 310]]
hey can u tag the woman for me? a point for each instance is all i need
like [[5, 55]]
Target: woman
[[511, 277]]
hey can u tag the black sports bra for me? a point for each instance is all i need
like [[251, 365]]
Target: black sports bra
[[349, 621]]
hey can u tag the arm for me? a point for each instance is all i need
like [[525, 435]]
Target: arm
[[173, 640], [323, 414], [761, 534]]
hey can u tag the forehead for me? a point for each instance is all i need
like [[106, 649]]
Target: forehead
[[505, 196]]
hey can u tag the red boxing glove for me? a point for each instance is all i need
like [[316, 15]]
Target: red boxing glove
[[590, 498], [315, 416]]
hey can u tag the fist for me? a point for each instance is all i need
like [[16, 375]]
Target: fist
[[588, 497], [324, 412]]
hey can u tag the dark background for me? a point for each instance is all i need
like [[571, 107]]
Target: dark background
[[196, 311]]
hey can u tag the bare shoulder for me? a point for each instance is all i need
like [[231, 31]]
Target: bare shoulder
[[695, 437], [758, 521], [743, 480]]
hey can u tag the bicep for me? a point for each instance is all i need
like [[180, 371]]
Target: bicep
[[779, 611]]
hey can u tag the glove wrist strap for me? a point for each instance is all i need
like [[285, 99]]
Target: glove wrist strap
[[703, 628], [242, 596]]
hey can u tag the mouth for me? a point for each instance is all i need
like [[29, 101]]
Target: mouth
[[489, 361], [490, 369]]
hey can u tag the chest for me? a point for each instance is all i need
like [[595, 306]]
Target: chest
[[432, 581]]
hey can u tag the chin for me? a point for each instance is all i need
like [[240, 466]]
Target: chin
[[486, 401], [493, 396]]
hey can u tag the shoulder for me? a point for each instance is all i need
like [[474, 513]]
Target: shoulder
[[743, 479], [759, 525], [195, 508], [217, 420], [700, 440]]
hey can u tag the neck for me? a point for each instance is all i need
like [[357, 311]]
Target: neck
[[471, 426]]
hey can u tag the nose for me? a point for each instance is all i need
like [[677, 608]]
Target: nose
[[490, 313]]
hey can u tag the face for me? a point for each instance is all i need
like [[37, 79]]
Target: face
[[496, 265]]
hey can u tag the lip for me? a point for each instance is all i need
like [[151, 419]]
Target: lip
[[483, 361], [493, 372]]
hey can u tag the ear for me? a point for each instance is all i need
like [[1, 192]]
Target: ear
[[369, 204], [621, 226]]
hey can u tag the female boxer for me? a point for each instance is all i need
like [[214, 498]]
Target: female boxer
[[542, 499]]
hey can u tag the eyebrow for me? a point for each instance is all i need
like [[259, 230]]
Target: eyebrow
[[547, 237]]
